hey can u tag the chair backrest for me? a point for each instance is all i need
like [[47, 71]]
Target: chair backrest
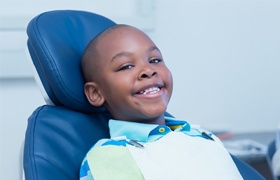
[[58, 136], [56, 41]]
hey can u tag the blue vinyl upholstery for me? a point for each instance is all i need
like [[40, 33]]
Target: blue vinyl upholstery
[[56, 41], [57, 140], [58, 136]]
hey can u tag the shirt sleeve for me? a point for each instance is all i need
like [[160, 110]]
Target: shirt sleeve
[[109, 160], [85, 173]]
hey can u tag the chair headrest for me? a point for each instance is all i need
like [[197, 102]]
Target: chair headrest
[[56, 41]]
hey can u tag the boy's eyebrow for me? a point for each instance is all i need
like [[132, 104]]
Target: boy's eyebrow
[[119, 55], [124, 53]]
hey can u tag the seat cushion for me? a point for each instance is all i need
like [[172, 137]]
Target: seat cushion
[[57, 140]]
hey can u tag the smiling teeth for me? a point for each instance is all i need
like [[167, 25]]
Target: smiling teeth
[[150, 90]]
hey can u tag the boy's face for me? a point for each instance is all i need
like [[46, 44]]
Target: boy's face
[[134, 81]]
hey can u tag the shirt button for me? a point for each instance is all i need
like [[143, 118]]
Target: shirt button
[[161, 130]]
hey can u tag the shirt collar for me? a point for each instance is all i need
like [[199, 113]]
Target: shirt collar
[[140, 131]]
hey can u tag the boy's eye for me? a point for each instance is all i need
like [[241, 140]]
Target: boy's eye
[[155, 60], [125, 67]]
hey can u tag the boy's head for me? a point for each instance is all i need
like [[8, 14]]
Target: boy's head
[[125, 72]]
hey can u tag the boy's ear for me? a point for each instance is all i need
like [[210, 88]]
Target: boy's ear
[[93, 94]]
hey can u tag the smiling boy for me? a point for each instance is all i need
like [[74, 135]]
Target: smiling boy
[[125, 72], [130, 79]]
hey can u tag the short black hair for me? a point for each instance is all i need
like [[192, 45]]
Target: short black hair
[[88, 54]]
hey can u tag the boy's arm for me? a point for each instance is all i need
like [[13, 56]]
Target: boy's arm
[[85, 172]]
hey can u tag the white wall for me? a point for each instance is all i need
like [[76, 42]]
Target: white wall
[[225, 58], [224, 55]]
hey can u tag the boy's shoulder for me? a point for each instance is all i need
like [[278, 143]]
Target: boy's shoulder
[[108, 158]]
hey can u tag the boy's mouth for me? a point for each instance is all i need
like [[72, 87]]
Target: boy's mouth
[[150, 90]]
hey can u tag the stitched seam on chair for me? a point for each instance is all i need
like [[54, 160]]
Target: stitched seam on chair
[[56, 73], [44, 50], [40, 42], [31, 146]]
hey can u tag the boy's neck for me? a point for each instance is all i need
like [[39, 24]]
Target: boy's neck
[[159, 120]]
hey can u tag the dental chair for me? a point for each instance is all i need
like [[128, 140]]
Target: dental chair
[[60, 133]]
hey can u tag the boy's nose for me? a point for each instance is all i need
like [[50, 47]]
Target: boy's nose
[[147, 72]]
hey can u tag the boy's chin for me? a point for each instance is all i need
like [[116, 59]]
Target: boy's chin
[[157, 109], [155, 114]]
